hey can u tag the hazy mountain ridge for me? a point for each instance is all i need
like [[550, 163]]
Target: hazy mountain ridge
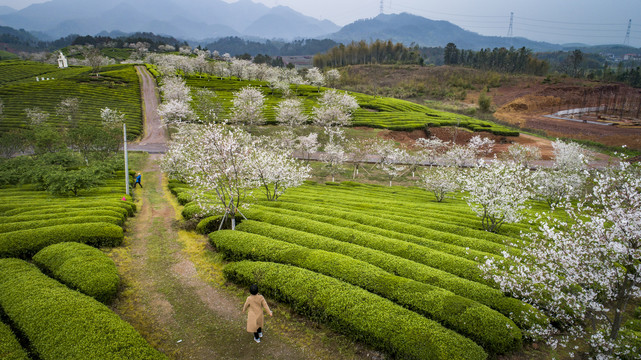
[[201, 19]]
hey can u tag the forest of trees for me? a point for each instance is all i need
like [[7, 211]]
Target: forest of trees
[[498, 59], [235, 45], [377, 52]]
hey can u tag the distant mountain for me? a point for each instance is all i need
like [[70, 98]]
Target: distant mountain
[[284, 23], [4, 10], [408, 29], [196, 19]]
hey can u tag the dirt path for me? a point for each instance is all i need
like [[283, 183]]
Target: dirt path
[[166, 300], [155, 138]]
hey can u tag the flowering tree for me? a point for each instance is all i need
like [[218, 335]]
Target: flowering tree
[[276, 171], [307, 145], [334, 108], [359, 150], [392, 161], [481, 146], [432, 149], [175, 88], [334, 156], [36, 116], [207, 105], [555, 186], [248, 106], [216, 162], [112, 117], [69, 108], [315, 77], [459, 156], [332, 76], [522, 154], [289, 112], [569, 156], [584, 271], [497, 192], [175, 112], [440, 181]]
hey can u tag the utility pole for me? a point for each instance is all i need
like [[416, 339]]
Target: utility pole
[[124, 130], [626, 41], [510, 30]]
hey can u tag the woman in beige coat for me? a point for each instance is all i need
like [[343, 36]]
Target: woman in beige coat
[[255, 303]]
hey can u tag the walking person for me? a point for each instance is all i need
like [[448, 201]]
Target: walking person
[[138, 178], [255, 303]]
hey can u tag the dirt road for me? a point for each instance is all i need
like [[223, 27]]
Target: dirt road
[[155, 135]]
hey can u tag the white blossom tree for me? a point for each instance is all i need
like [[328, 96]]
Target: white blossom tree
[[307, 145], [112, 117], [440, 181], [289, 112], [332, 76], [481, 146], [36, 116], [276, 171], [333, 156], [215, 161], [334, 108], [248, 106], [570, 156], [584, 270], [175, 88], [175, 112], [432, 149], [522, 154], [207, 104], [555, 186], [497, 192], [315, 77], [69, 108]]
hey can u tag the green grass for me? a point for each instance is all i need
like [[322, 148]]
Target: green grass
[[117, 87]]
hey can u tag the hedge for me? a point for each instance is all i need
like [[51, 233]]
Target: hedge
[[45, 206], [451, 243], [10, 348], [64, 210], [70, 213], [486, 327], [60, 221], [356, 312], [25, 243], [208, 224], [80, 267], [61, 323], [521, 313], [452, 264]]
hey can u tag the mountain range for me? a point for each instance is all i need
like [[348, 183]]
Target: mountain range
[[198, 20]]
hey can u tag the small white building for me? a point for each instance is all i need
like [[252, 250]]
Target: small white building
[[62, 61]]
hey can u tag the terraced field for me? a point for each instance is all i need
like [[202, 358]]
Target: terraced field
[[117, 87], [57, 306], [389, 266], [379, 112]]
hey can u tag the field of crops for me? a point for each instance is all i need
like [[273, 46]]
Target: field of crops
[[379, 112], [117, 87], [53, 279], [387, 265]]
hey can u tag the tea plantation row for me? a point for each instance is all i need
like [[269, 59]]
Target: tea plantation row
[[379, 112], [117, 87], [54, 281], [370, 260]]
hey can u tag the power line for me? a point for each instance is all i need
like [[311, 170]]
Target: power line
[[510, 31], [626, 41]]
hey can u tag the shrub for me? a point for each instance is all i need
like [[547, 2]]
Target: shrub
[[10, 348], [80, 267], [486, 327], [70, 213], [356, 312], [22, 225], [208, 224], [25, 243], [61, 323], [512, 308]]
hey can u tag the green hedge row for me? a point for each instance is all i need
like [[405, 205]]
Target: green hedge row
[[80, 267], [356, 312], [510, 307], [452, 264], [70, 213], [61, 323], [22, 225], [10, 348], [488, 328], [65, 210], [25, 243], [46, 206], [451, 243]]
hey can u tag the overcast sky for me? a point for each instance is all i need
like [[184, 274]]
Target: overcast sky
[[558, 21]]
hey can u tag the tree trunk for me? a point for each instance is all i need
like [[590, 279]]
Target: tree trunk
[[233, 222]]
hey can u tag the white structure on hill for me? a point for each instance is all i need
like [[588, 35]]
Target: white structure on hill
[[62, 61]]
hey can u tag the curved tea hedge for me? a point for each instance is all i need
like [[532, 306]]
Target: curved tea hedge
[[10, 348], [356, 312], [493, 298], [486, 327], [61, 323], [25, 243], [22, 225], [80, 267]]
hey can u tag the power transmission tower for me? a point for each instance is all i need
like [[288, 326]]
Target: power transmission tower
[[510, 30], [382, 7], [626, 41]]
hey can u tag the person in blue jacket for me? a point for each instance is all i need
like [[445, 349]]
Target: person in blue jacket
[[138, 178]]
